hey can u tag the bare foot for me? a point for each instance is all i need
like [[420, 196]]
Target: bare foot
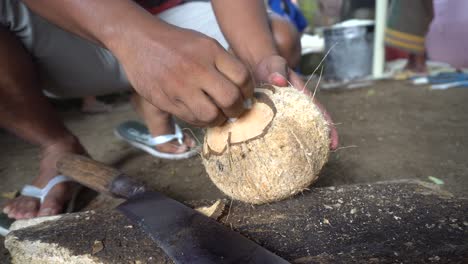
[[91, 105], [416, 63], [161, 123], [23, 207]]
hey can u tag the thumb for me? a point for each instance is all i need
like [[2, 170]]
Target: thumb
[[273, 70], [277, 79], [278, 71]]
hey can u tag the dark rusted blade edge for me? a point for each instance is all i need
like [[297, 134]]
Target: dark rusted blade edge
[[190, 237]]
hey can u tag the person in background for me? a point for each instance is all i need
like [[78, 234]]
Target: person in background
[[329, 12], [289, 10], [408, 24], [288, 23], [447, 40]]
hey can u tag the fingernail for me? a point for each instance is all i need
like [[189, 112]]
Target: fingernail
[[232, 120], [278, 79], [248, 103], [6, 210]]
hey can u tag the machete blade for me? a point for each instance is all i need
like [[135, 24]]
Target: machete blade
[[187, 236]]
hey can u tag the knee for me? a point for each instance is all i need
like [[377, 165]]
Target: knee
[[288, 40]]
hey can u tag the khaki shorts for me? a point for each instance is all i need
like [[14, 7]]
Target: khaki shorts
[[71, 66]]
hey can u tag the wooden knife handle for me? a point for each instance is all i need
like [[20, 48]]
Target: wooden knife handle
[[98, 176]]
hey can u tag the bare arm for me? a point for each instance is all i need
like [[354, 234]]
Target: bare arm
[[180, 71], [246, 27], [103, 21]]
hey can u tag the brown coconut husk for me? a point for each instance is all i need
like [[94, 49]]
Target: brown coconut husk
[[273, 151]]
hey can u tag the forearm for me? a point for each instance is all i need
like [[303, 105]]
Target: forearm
[[104, 21], [245, 25]]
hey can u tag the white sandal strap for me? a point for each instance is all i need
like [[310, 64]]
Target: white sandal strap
[[167, 138], [33, 191]]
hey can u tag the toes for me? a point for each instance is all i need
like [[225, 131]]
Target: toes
[[189, 141], [28, 209], [6, 209], [48, 211], [177, 149], [55, 201], [11, 212], [22, 208], [51, 206], [172, 147]]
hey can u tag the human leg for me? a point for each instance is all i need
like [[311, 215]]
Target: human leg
[[25, 111], [407, 27], [288, 39], [161, 123], [68, 66], [416, 63], [199, 16]]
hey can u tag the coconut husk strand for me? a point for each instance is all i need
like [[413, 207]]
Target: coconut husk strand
[[273, 151]]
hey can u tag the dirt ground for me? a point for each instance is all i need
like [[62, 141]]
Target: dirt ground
[[390, 130]]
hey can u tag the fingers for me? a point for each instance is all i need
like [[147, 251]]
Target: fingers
[[334, 141], [195, 107], [227, 96], [272, 70], [191, 105], [278, 72], [223, 90], [205, 111], [236, 72], [278, 80]]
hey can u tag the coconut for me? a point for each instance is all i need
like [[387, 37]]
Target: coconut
[[273, 151]]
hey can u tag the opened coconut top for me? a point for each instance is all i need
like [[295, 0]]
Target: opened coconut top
[[252, 124]]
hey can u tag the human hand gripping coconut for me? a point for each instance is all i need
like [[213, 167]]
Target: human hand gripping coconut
[[277, 148]]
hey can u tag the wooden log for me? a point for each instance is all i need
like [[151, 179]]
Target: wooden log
[[407, 222]]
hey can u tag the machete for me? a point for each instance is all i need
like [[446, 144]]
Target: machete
[[184, 234]]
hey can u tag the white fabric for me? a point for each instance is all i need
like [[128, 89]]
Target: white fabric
[[33, 191], [198, 16]]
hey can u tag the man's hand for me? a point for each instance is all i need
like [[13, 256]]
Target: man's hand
[[274, 70], [187, 74], [245, 21], [180, 71]]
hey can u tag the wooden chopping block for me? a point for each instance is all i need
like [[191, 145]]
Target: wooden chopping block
[[403, 221]]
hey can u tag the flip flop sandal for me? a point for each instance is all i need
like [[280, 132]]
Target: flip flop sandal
[[139, 136], [41, 194]]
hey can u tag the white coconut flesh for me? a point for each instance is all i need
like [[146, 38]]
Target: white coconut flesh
[[271, 152]]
